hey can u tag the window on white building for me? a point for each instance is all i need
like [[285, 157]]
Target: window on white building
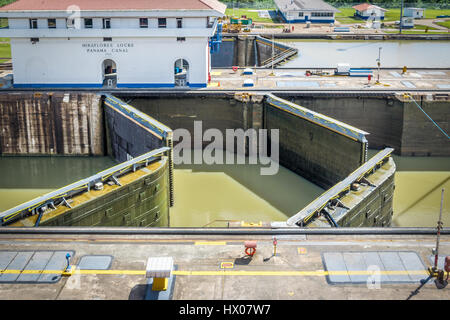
[[179, 23], [70, 23], [51, 23], [322, 14], [210, 22], [33, 24], [88, 23], [300, 14], [143, 22], [106, 23], [162, 22]]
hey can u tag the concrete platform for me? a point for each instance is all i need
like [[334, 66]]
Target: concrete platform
[[291, 79], [296, 272]]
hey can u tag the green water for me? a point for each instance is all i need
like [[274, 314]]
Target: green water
[[364, 53], [213, 195], [204, 195], [417, 195], [25, 178]]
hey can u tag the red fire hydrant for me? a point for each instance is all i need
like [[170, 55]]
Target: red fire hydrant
[[369, 77], [250, 248]]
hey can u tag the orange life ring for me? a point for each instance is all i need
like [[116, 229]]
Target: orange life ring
[[251, 253]]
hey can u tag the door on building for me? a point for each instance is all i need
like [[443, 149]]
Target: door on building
[[181, 70], [109, 73]]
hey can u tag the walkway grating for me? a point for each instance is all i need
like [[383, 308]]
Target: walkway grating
[[384, 266], [92, 262], [298, 84], [38, 261]]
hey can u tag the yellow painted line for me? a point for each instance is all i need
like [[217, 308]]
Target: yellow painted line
[[216, 73], [213, 84], [220, 273], [210, 243]]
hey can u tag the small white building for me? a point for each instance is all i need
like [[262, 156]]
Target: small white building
[[407, 23], [113, 43], [416, 13], [302, 11], [367, 11]]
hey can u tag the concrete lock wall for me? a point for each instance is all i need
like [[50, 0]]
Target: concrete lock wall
[[51, 124], [390, 121], [245, 51], [315, 151], [73, 124], [181, 112], [143, 203], [127, 138], [420, 137], [368, 206]]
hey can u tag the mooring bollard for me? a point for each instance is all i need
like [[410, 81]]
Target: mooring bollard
[[69, 270], [160, 269]]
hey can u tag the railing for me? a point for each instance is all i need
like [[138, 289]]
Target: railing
[[60, 196], [286, 52], [159, 129], [315, 208], [317, 118]]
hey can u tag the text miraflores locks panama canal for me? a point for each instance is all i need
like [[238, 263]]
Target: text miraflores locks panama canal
[[109, 47]]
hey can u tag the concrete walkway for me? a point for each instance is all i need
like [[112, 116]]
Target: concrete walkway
[[296, 272], [291, 79]]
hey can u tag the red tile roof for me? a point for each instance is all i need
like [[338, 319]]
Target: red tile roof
[[106, 5], [365, 6]]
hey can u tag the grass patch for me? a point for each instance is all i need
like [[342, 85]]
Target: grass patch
[[433, 13], [445, 24], [346, 15], [5, 50], [250, 14]]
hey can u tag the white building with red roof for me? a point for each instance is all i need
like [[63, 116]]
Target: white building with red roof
[[111, 43], [369, 11]]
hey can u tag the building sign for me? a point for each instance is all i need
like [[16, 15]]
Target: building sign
[[107, 47]]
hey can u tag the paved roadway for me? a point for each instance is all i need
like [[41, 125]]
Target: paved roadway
[[295, 79], [296, 272]]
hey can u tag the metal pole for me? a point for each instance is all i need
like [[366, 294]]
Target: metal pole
[[436, 257], [401, 17], [273, 50], [379, 64]]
